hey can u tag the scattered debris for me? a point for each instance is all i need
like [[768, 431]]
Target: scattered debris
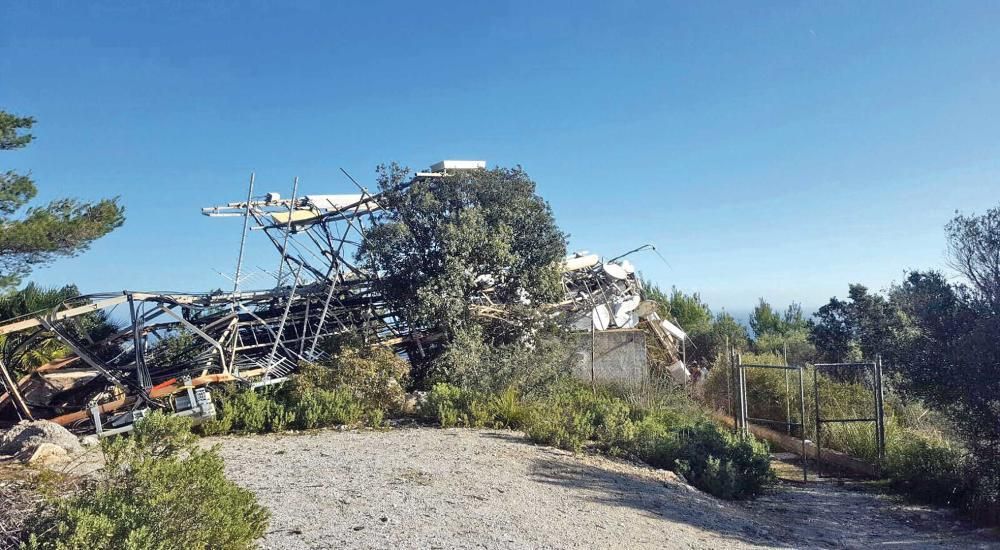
[[176, 345]]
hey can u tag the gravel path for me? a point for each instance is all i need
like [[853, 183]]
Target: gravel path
[[433, 488]]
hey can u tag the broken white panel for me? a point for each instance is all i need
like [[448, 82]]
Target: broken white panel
[[601, 317], [624, 309], [458, 165], [628, 267], [334, 202], [679, 373], [673, 329], [615, 271], [298, 215], [580, 262], [631, 322]]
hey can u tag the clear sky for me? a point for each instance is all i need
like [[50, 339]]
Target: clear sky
[[780, 149]]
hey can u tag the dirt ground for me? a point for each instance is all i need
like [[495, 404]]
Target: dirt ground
[[433, 488]]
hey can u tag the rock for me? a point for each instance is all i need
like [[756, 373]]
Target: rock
[[27, 436], [90, 441], [45, 454], [413, 402]]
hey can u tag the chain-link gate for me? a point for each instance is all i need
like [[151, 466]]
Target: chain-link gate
[[878, 400], [740, 404], [743, 416]]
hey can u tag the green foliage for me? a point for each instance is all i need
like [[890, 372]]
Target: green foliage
[[471, 363], [709, 457], [560, 425], [794, 342], [726, 328], [361, 386], [62, 228], [319, 408], [437, 241], [508, 411], [765, 320], [929, 469], [861, 327], [974, 251], [160, 491], [657, 425], [376, 376], [687, 311], [10, 127], [445, 404]]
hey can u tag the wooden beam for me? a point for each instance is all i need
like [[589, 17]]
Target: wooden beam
[[59, 315]]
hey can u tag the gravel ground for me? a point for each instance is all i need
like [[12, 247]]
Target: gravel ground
[[433, 488]]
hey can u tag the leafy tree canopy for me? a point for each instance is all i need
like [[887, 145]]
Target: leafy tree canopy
[[686, 310], [438, 242], [36, 235]]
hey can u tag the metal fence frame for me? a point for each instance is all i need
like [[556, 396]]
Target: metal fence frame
[[879, 398], [743, 418]]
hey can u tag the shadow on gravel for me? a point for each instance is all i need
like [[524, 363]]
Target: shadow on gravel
[[815, 515], [659, 499]]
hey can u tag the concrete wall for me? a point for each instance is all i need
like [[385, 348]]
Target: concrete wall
[[619, 356]]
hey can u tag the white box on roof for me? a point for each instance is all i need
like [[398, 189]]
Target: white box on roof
[[458, 165]]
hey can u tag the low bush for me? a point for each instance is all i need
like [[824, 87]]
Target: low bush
[[361, 386], [720, 463], [159, 490], [559, 424], [660, 429], [929, 469]]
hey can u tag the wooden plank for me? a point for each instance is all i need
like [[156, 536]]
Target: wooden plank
[[59, 315]]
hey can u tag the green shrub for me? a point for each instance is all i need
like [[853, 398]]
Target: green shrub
[[654, 443], [250, 411], [929, 470], [361, 385], [507, 410], [316, 408], [444, 404], [613, 426], [722, 464], [375, 375], [555, 424], [157, 491]]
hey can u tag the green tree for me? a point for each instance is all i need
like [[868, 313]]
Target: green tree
[[726, 328], [794, 318], [36, 235], [863, 326], [684, 310], [440, 242], [974, 251], [765, 320]]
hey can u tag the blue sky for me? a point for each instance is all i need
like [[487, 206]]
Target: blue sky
[[781, 150]]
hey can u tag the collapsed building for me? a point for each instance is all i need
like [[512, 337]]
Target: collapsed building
[[175, 346]]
